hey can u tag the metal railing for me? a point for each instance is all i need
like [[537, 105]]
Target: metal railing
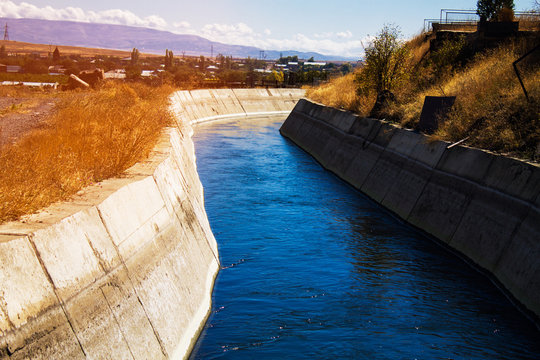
[[452, 17]]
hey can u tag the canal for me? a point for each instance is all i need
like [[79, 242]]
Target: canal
[[312, 269]]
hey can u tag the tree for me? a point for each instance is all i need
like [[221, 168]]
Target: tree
[[489, 9], [169, 59], [56, 55], [3, 53], [202, 63], [385, 62], [345, 68], [134, 56]]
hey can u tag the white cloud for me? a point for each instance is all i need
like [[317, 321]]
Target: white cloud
[[112, 16], [341, 43], [325, 43], [344, 34]]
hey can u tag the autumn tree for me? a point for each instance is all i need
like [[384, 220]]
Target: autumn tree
[[385, 62]]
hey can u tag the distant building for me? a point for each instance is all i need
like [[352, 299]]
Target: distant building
[[293, 65], [115, 74], [147, 73], [314, 63], [56, 70]]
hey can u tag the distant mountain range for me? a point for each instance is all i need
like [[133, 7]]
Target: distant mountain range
[[128, 37]]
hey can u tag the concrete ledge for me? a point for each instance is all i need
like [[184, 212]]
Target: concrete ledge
[[483, 205]]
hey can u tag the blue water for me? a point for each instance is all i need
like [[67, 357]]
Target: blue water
[[312, 269]]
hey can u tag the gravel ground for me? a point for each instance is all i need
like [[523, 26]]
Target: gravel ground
[[31, 114]]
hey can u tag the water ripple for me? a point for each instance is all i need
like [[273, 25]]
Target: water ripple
[[312, 269]]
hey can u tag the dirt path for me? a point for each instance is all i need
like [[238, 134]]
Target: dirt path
[[18, 116]]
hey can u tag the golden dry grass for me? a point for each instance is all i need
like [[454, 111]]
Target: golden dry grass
[[419, 47], [19, 47], [490, 107], [90, 137], [341, 93]]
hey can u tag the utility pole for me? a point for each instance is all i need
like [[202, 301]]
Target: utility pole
[[6, 34]]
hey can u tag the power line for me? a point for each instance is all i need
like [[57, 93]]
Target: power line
[[6, 34]]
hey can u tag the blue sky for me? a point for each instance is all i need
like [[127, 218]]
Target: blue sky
[[329, 27]]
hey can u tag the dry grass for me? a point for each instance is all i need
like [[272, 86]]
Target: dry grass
[[19, 47], [419, 47], [490, 107], [529, 22], [90, 137], [341, 93]]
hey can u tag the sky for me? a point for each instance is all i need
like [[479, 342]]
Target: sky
[[330, 27]]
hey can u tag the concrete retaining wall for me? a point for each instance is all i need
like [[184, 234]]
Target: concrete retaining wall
[[124, 270], [486, 206], [206, 105]]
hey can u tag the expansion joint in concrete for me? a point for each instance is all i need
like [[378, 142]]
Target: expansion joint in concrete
[[121, 259], [161, 345], [60, 302], [512, 237], [117, 323], [101, 262]]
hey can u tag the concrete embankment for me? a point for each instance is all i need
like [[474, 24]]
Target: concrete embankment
[[207, 105], [126, 268], [483, 205]]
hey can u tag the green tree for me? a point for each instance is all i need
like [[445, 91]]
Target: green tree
[[345, 68], [385, 62], [276, 76], [489, 9]]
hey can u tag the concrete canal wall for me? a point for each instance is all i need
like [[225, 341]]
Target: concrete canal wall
[[483, 205], [125, 269], [207, 105]]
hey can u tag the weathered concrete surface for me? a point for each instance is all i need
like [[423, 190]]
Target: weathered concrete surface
[[483, 205], [124, 270], [126, 274], [207, 105]]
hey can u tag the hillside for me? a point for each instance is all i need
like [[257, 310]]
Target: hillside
[[122, 37], [490, 110], [19, 47]]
